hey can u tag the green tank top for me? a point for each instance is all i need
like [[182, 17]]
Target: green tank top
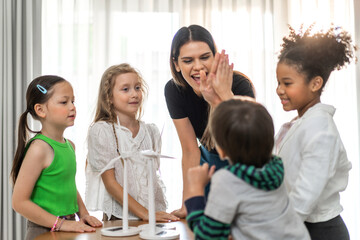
[[55, 190]]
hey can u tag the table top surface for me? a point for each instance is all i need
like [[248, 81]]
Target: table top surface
[[180, 226]]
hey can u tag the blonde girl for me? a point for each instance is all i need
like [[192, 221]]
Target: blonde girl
[[121, 94], [44, 167]]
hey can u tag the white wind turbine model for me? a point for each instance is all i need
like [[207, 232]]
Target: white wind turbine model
[[151, 231], [147, 231], [125, 230]]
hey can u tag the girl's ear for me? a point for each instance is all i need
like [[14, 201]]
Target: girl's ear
[[40, 110], [316, 83]]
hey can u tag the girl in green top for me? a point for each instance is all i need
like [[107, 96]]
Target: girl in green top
[[44, 167]]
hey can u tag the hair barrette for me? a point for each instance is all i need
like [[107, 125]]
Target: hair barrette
[[41, 89]]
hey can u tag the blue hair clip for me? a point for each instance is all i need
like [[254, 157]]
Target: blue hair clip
[[41, 89]]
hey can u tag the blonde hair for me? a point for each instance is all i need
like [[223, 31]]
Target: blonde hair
[[105, 109]]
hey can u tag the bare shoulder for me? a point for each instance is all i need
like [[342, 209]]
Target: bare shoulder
[[39, 152], [72, 144], [39, 148], [38, 157]]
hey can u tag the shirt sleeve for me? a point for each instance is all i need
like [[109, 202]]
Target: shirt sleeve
[[317, 167], [204, 227], [174, 100], [101, 145], [242, 86]]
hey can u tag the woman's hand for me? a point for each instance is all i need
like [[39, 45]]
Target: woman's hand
[[224, 77], [207, 90], [198, 177], [90, 220], [206, 83], [216, 86]]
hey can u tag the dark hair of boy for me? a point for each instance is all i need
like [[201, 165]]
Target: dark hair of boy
[[244, 130]]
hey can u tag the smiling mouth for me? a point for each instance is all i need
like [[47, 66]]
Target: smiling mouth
[[284, 101], [196, 78]]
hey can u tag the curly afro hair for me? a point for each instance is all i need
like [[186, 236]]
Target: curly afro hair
[[317, 54]]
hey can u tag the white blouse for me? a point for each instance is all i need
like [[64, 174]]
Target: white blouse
[[315, 162], [101, 152]]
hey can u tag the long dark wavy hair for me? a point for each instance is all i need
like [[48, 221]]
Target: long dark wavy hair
[[198, 34], [184, 35]]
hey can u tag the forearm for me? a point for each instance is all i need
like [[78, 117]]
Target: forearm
[[199, 223], [82, 209], [189, 160], [117, 192], [224, 97], [213, 104], [34, 213], [227, 95]]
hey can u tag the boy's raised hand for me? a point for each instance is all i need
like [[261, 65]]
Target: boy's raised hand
[[198, 177]]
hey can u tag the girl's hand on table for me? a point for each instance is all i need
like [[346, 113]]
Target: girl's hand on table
[[90, 220], [74, 226], [163, 217]]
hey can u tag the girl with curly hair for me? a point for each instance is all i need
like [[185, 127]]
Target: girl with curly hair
[[315, 160]]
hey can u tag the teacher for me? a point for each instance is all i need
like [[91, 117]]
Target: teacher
[[194, 59]]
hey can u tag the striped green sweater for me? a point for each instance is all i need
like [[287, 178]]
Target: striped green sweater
[[267, 178]]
